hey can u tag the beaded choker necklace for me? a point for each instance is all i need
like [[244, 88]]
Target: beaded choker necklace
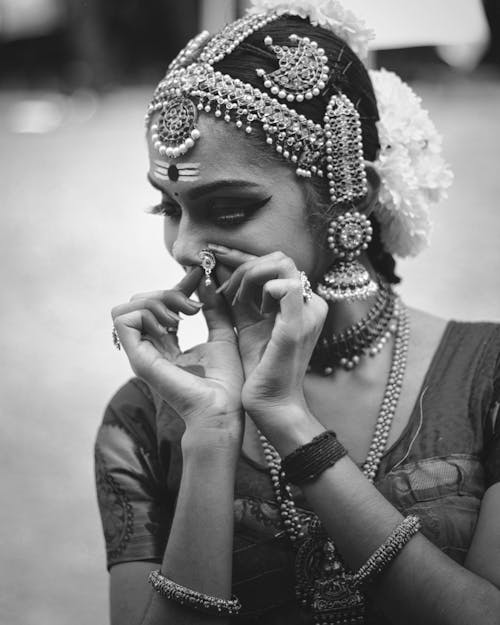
[[323, 582], [366, 337]]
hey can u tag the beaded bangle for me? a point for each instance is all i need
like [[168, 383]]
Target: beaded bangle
[[306, 463], [382, 557], [192, 598]]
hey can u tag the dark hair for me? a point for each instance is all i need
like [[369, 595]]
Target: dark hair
[[349, 76]]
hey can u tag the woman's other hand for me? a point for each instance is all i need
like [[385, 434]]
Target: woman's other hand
[[277, 330], [201, 385]]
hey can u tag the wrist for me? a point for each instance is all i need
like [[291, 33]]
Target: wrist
[[288, 426], [204, 442]]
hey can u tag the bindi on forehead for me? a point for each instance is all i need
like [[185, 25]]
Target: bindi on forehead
[[182, 172]]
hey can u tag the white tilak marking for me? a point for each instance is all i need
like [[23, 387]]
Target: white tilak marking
[[166, 165], [182, 176], [182, 172]]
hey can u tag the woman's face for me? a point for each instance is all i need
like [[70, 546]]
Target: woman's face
[[226, 194]]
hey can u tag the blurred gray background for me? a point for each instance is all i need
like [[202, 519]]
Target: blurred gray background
[[75, 79]]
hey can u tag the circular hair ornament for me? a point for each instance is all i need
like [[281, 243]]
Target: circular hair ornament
[[303, 69], [175, 132]]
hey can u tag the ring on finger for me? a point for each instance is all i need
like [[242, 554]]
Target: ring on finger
[[171, 329], [307, 292], [116, 339]]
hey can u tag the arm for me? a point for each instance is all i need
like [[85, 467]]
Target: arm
[[422, 586], [202, 386], [199, 548]]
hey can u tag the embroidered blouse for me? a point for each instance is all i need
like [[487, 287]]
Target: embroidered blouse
[[439, 469]]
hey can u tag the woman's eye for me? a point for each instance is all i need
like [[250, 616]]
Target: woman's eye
[[225, 214], [231, 215], [230, 218]]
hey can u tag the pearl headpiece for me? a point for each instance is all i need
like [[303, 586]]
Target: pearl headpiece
[[413, 172], [333, 150]]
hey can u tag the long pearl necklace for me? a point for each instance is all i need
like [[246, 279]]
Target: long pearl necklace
[[322, 580]]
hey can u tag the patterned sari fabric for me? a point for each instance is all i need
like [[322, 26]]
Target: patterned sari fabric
[[439, 469]]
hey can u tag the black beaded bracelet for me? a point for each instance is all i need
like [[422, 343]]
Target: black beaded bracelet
[[306, 463]]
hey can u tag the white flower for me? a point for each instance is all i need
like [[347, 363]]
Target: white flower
[[329, 14], [413, 172]]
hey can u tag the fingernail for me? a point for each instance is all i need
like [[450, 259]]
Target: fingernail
[[222, 286], [218, 248], [235, 298], [173, 315], [193, 302]]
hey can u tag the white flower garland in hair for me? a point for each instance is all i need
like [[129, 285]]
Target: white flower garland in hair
[[329, 14], [413, 172]]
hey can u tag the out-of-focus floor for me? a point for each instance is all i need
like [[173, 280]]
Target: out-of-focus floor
[[75, 241]]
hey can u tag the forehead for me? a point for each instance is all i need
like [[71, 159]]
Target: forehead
[[222, 151]]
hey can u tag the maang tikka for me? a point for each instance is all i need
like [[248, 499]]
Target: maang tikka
[[348, 236]]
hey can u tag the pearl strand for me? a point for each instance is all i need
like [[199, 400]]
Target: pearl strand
[[282, 490]]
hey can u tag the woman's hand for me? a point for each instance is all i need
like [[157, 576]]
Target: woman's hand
[[277, 330], [202, 385]]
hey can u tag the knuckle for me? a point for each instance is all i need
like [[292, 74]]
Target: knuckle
[[136, 297], [278, 255], [287, 264], [252, 273], [152, 305]]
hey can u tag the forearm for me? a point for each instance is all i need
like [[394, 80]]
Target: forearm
[[422, 585], [199, 549]]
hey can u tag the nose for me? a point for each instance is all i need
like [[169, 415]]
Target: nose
[[190, 240]]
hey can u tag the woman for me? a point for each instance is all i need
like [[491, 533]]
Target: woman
[[327, 456]]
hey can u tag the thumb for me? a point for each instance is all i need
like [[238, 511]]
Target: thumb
[[216, 313]]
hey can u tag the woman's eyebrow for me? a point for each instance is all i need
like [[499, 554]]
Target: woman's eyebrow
[[209, 187], [217, 185]]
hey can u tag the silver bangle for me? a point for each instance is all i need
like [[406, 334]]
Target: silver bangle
[[391, 547], [192, 598]]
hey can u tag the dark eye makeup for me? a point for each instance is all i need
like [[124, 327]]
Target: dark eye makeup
[[225, 212]]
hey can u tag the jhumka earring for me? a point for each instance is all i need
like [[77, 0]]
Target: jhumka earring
[[348, 236], [207, 264]]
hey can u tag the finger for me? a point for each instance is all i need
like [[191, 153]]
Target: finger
[[249, 278], [153, 330], [176, 301], [147, 363], [165, 316], [187, 285], [288, 292], [229, 256], [190, 281], [217, 314]]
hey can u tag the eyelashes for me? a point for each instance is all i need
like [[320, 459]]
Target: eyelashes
[[232, 214], [164, 209]]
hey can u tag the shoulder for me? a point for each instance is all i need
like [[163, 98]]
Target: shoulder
[[133, 396], [464, 368], [129, 421], [477, 341]]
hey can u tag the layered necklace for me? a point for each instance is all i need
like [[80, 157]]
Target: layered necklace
[[366, 337], [323, 582]]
